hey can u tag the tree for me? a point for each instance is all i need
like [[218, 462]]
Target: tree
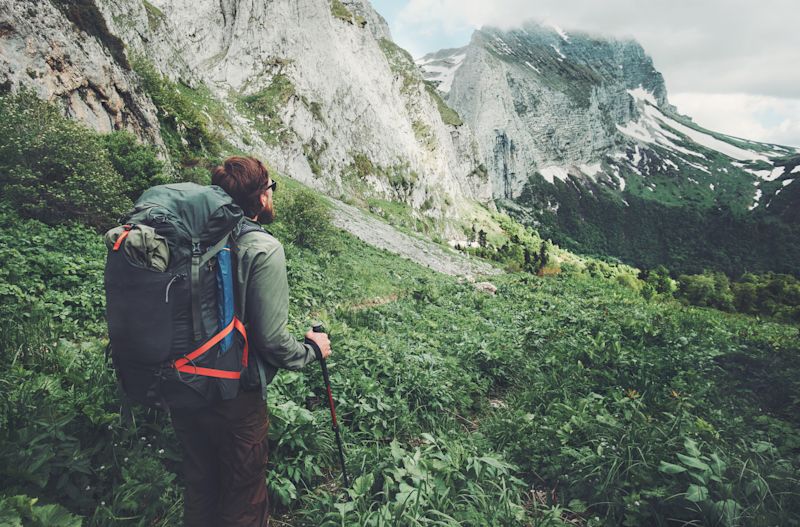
[[482, 238]]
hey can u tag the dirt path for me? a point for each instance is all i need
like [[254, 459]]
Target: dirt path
[[424, 252]]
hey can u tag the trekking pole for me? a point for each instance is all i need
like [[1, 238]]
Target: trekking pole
[[318, 328]]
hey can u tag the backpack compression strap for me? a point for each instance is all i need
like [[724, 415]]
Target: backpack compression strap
[[182, 364], [124, 234]]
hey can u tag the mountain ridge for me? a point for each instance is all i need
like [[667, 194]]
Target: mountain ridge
[[562, 116]]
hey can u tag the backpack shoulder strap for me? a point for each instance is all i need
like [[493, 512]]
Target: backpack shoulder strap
[[245, 228]]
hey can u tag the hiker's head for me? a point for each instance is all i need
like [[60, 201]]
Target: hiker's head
[[247, 181]]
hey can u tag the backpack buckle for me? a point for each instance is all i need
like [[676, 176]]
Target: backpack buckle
[[196, 251]]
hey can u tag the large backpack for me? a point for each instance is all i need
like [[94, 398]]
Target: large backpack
[[174, 336]]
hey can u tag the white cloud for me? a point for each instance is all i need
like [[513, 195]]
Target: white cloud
[[714, 46], [756, 117]]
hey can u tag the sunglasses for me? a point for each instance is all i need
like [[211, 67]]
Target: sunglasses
[[273, 186]]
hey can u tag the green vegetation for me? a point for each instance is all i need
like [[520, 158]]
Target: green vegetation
[[449, 116], [305, 219], [647, 233], [313, 151], [401, 63], [424, 134], [341, 12], [769, 295], [192, 143], [265, 106], [362, 165], [402, 216], [561, 400], [135, 162], [401, 180], [155, 17], [54, 169], [22, 510]]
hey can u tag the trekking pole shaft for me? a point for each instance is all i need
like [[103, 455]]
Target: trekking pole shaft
[[323, 363]]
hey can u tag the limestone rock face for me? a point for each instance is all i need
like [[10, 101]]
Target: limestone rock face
[[75, 63], [545, 105], [355, 94], [354, 111], [535, 98]]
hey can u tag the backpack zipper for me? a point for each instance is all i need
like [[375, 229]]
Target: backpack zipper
[[169, 284]]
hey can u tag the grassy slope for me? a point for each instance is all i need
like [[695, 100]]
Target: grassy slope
[[449, 399]]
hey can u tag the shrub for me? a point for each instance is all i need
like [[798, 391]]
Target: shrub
[[54, 169], [706, 290], [304, 219], [22, 510], [137, 163], [629, 281], [265, 107]]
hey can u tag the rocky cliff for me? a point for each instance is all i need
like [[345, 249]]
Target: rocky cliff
[[580, 140], [547, 104], [65, 53], [317, 87]]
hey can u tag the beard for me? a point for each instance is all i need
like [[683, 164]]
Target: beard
[[267, 215]]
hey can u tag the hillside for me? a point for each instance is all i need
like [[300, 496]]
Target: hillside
[[580, 141], [559, 400], [562, 399], [568, 390]]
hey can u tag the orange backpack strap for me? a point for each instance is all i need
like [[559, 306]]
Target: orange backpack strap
[[124, 234], [182, 364]]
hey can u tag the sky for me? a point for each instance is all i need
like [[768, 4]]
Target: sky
[[731, 65]]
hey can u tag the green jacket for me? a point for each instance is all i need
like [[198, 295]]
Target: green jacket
[[263, 305]]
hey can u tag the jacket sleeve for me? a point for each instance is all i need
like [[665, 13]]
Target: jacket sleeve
[[268, 312]]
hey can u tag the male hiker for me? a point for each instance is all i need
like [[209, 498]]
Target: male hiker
[[225, 444]]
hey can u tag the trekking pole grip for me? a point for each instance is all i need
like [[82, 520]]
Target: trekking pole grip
[[317, 327]]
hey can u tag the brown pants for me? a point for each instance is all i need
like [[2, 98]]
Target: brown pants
[[225, 454]]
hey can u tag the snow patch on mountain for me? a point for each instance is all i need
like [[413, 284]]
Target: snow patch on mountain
[[441, 69], [796, 170], [655, 127], [775, 174], [711, 142], [558, 51], [756, 199], [787, 181], [641, 95], [760, 174], [501, 47], [554, 172], [561, 32], [534, 68]]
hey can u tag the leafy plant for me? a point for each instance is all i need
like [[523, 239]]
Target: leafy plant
[[54, 169]]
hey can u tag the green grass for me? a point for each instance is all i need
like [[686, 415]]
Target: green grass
[[449, 115], [401, 63], [155, 17], [569, 385], [558, 401], [264, 108], [340, 11], [190, 120]]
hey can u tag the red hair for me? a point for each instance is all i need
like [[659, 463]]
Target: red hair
[[245, 179]]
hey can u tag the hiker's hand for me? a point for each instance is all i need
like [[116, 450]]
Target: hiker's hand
[[322, 341]]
